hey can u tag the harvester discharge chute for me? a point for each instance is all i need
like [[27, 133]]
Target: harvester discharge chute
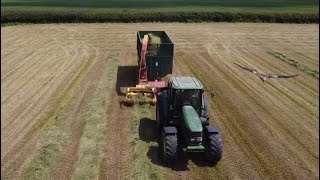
[[154, 63], [142, 93]]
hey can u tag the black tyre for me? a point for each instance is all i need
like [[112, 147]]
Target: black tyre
[[169, 148], [158, 118], [213, 145], [161, 110]]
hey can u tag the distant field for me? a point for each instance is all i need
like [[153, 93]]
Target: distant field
[[61, 116], [290, 11]]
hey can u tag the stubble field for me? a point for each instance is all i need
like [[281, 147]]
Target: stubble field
[[62, 117]]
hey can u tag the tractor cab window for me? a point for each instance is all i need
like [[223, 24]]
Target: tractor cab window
[[187, 97]]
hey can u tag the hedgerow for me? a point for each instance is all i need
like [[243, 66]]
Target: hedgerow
[[127, 17]]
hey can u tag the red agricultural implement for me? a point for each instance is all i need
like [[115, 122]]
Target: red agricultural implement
[[155, 56]]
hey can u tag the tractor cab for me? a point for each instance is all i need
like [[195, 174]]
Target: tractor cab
[[187, 91]]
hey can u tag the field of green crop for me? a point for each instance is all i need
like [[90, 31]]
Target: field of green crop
[[286, 11], [167, 5]]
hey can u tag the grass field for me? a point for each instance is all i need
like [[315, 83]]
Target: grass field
[[291, 11], [173, 5], [62, 118]]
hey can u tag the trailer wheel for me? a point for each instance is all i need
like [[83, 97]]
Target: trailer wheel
[[169, 148], [213, 147]]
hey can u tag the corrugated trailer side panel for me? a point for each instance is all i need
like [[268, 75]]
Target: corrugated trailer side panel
[[160, 55]]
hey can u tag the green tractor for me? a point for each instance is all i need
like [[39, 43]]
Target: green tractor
[[182, 121]]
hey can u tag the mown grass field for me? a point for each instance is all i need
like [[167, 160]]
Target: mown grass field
[[62, 116], [289, 11]]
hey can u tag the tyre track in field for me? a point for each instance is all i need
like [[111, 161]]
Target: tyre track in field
[[66, 65], [13, 47], [65, 166], [23, 71], [22, 87], [117, 156], [296, 88], [36, 75], [270, 114], [288, 103], [94, 138], [24, 63], [197, 168], [18, 60], [282, 68], [6, 41], [24, 47], [15, 158], [288, 106], [235, 128], [221, 170], [24, 109], [56, 130], [218, 171], [21, 61], [290, 130]]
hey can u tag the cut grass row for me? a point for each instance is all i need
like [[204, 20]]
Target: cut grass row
[[144, 145], [93, 135], [49, 151], [147, 16], [288, 128], [296, 64], [94, 138]]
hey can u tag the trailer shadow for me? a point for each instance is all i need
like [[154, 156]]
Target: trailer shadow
[[127, 76]]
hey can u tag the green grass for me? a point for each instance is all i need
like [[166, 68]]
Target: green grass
[[44, 161], [160, 11], [146, 162], [169, 4], [296, 64], [53, 137], [94, 138]]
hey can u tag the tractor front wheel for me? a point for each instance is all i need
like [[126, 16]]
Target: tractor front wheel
[[169, 148], [213, 151]]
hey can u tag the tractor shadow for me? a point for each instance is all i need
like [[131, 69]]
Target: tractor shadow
[[127, 76], [147, 130], [199, 160], [148, 133]]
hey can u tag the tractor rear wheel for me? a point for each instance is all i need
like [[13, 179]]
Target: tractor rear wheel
[[213, 149], [169, 148], [158, 120], [161, 110]]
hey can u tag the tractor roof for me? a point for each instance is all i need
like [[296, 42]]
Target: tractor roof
[[186, 83]]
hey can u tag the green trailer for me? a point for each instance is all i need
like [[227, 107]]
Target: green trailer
[[159, 58]]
